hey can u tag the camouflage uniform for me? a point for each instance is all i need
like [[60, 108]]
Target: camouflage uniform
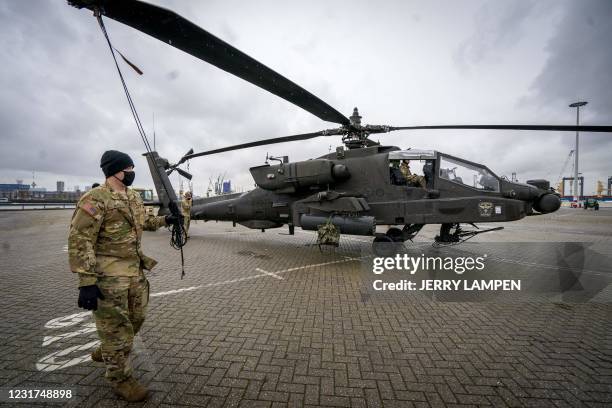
[[328, 234], [105, 250], [413, 179], [186, 211]]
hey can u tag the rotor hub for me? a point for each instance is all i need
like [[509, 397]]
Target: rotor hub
[[356, 136], [355, 118]]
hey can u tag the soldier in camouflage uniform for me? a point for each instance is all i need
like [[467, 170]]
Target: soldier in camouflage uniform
[[104, 247], [186, 210], [412, 179]]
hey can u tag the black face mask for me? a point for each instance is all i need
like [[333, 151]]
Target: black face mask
[[128, 178]]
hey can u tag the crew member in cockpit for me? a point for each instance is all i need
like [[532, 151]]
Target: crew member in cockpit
[[411, 179]]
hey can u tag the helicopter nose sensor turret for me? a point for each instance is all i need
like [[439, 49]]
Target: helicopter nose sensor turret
[[547, 203], [544, 201], [536, 193]]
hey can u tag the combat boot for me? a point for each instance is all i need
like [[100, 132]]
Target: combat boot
[[96, 355], [131, 390]]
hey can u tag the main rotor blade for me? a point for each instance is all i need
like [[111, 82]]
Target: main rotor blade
[[183, 173], [169, 27], [512, 127], [383, 129], [275, 140]]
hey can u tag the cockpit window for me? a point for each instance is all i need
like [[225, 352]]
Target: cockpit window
[[411, 173], [468, 174]]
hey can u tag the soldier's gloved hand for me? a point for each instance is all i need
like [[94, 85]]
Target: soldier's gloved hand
[[88, 297], [172, 219]]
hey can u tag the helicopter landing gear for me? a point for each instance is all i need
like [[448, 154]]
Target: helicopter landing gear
[[446, 237], [452, 234], [392, 241], [395, 234], [405, 234], [384, 245], [411, 230]]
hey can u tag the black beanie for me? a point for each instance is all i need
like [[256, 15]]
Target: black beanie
[[114, 161]]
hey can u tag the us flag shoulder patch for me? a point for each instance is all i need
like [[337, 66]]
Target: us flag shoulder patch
[[89, 209]]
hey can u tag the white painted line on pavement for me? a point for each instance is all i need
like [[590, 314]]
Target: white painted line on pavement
[[272, 274], [87, 328], [262, 274], [51, 362], [60, 359], [297, 268]]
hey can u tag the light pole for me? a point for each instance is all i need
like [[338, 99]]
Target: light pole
[[576, 105]]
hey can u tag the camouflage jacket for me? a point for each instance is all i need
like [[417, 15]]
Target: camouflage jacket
[[405, 169], [186, 207], [105, 234]]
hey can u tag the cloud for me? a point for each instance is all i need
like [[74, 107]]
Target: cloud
[[62, 103], [580, 60], [498, 26], [579, 67]]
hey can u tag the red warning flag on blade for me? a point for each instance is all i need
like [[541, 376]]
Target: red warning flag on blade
[[134, 67]]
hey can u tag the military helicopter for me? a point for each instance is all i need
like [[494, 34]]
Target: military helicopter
[[355, 188]]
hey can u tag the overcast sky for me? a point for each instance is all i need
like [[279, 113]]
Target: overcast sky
[[401, 62]]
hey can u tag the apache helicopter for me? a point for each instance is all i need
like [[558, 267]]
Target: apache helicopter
[[356, 187]]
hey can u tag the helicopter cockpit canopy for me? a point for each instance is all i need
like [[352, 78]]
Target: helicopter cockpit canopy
[[421, 162], [468, 174], [412, 154]]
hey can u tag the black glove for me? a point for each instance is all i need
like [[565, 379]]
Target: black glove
[[88, 297], [172, 219]]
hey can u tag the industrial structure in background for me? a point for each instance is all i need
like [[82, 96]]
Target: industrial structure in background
[[576, 177], [145, 193], [14, 191], [572, 190], [23, 193], [570, 187], [599, 189], [219, 186], [19, 192]]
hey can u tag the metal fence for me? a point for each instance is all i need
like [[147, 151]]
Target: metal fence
[[35, 206]]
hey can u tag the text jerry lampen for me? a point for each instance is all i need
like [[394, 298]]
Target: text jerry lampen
[[449, 285]]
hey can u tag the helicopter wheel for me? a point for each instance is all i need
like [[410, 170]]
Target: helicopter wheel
[[395, 234], [384, 245]]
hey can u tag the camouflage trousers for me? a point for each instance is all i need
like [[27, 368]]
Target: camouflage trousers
[[186, 221], [118, 318]]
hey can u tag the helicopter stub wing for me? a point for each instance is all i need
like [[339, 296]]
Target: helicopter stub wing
[[177, 31], [330, 203], [353, 205]]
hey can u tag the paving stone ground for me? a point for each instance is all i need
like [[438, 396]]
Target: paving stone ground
[[267, 320]]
